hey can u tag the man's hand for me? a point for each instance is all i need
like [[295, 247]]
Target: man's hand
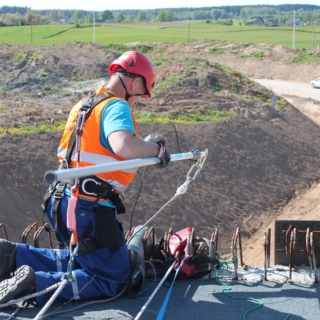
[[163, 155], [156, 137]]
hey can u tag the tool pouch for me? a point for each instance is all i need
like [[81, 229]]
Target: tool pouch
[[108, 229]]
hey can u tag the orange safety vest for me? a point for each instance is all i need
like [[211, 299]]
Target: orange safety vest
[[92, 152]]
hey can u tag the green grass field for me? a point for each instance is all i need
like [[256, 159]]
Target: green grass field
[[155, 32]]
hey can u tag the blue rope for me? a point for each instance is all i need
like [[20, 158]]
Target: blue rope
[[153, 282], [165, 302]]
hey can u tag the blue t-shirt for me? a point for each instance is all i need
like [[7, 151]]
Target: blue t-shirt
[[116, 116]]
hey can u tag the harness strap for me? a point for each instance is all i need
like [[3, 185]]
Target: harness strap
[[87, 105], [59, 225], [96, 187]]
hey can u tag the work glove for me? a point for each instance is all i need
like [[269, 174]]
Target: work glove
[[157, 138], [164, 155]]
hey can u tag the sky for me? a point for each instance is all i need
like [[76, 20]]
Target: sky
[[141, 4]]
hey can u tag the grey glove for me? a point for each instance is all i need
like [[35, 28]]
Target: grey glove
[[156, 137]]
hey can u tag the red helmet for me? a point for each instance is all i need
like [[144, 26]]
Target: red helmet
[[136, 63]]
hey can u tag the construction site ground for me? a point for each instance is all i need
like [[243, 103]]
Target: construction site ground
[[263, 164]]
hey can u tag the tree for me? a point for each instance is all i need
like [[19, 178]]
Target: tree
[[216, 13], [161, 15], [120, 17], [169, 15], [165, 15], [32, 17], [106, 15], [77, 15], [129, 18], [54, 15], [12, 19], [142, 16]]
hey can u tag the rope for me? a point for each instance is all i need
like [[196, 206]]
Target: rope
[[154, 280], [153, 293], [228, 288], [166, 300], [51, 300], [30, 296], [55, 313]]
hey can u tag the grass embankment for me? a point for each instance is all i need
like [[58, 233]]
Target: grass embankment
[[208, 115]]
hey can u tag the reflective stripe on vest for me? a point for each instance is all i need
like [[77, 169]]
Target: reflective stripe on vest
[[92, 152]]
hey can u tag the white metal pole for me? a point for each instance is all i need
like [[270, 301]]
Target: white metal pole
[[294, 28], [94, 26], [57, 175]]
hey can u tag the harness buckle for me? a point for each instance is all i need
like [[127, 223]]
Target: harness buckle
[[60, 190], [84, 189]]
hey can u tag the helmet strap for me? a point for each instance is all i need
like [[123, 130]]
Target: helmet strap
[[128, 95]]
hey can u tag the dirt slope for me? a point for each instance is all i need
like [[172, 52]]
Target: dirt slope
[[258, 160]]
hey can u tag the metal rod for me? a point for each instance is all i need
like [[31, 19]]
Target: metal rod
[[55, 175]]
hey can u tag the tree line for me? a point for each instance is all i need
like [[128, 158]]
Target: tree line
[[13, 15]]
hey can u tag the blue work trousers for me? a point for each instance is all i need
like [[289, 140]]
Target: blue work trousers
[[96, 275]]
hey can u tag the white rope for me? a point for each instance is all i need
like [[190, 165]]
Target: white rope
[[51, 300], [153, 293], [30, 296]]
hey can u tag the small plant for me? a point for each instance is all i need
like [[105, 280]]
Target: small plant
[[52, 88], [217, 51], [191, 71], [160, 61], [32, 56], [3, 106], [234, 86], [281, 103], [257, 54], [117, 47], [144, 48], [42, 74], [19, 54]]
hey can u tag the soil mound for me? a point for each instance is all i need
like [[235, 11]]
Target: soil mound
[[257, 158]]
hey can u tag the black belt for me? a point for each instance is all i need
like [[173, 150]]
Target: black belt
[[100, 189]]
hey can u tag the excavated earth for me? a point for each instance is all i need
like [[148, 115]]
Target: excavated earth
[[259, 159]]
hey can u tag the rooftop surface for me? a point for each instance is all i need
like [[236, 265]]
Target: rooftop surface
[[225, 298]]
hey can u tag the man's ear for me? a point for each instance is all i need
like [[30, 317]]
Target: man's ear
[[136, 81]]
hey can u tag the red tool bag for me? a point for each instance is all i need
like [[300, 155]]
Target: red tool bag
[[184, 248]]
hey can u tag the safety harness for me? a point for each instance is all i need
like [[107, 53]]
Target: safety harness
[[93, 186]]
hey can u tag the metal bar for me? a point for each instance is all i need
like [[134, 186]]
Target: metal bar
[[27, 230], [213, 248], [234, 255], [287, 238], [302, 231], [291, 255], [2, 225], [308, 248], [268, 247], [240, 246], [55, 175], [313, 258], [265, 244]]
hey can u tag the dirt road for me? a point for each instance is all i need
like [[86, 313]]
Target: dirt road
[[300, 89]]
